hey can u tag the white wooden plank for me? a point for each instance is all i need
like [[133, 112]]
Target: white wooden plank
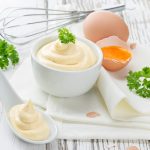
[[17, 3], [70, 144], [95, 144], [101, 144], [121, 145], [52, 146], [147, 144], [82, 145]]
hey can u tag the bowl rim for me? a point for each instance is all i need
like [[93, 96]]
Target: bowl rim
[[82, 39]]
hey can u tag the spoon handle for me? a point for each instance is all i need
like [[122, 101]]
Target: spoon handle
[[8, 96]]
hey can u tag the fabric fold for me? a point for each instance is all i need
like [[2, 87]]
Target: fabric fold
[[114, 98]]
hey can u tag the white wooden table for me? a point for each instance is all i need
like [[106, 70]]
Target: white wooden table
[[140, 32]]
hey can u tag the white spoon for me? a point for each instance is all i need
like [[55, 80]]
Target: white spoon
[[9, 98]]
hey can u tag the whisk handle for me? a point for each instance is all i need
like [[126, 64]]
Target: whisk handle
[[115, 8]]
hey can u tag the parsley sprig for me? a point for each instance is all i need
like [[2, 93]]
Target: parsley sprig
[[65, 36], [139, 82], [8, 54]]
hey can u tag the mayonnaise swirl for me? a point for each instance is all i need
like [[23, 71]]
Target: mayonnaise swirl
[[29, 122], [70, 56]]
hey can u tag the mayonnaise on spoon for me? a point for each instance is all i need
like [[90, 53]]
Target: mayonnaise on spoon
[[29, 122], [10, 100]]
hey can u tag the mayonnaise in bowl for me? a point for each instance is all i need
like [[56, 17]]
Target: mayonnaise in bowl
[[70, 57], [65, 70]]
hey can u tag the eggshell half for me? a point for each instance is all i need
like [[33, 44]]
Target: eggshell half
[[110, 64]]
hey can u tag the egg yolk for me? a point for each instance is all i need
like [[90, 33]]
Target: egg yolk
[[116, 52]]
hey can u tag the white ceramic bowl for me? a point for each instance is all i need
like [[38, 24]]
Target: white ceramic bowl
[[65, 83]]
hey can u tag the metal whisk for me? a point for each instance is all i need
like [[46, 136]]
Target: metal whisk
[[23, 25]]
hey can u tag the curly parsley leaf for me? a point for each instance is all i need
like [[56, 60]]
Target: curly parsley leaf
[[65, 36], [8, 54], [139, 82]]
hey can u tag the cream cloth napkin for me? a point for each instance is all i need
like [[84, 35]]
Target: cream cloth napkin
[[118, 103], [121, 102]]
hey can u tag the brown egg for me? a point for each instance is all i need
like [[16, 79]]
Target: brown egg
[[99, 25]]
